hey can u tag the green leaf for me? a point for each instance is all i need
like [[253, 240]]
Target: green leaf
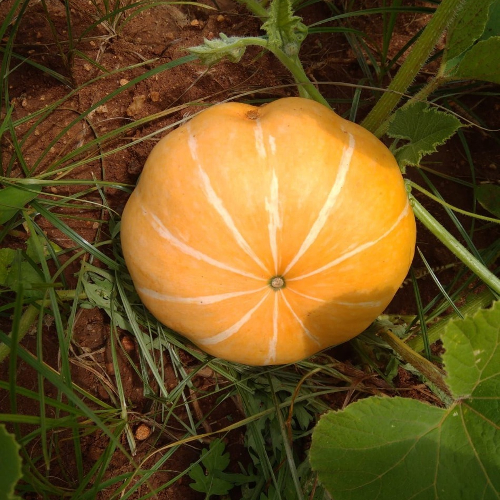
[[488, 196], [15, 270], [13, 199], [472, 359], [7, 256], [424, 127], [100, 293], [480, 62], [10, 465], [31, 251], [401, 449], [213, 51], [214, 460], [23, 273], [467, 27], [284, 30], [492, 27]]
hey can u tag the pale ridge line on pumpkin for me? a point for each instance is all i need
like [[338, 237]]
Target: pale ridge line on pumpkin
[[192, 252], [272, 143], [259, 139], [202, 300], [306, 296], [299, 321], [216, 202], [375, 303], [274, 339], [272, 207], [326, 209], [358, 249], [220, 337]]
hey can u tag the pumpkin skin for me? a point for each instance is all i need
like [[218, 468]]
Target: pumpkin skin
[[266, 234]]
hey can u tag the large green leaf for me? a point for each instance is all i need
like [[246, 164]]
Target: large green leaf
[[467, 27], [481, 62], [401, 449], [492, 27], [424, 128], [473, 42], [10, 465]]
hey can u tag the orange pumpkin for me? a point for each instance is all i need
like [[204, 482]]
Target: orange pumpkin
[[267, 234]]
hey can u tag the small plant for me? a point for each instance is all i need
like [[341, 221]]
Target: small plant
[[210, 477]]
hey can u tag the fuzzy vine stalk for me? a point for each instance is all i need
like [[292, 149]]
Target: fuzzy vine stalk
[[376, 120]]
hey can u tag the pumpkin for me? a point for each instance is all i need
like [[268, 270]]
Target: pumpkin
[[265, 234]]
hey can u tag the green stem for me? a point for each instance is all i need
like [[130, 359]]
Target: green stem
[[31, 314], [411, 66], [454, 245], [292, 64], [430, 371], [295, 67], [451, 207]]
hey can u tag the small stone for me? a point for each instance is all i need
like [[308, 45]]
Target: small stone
[[205, 372], [220, 18], [128, 343], [137, 104], [123, 82], [142, 432]]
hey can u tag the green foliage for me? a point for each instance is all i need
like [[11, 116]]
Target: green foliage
[[466, 28], [10, 465], [211, 478], [492, 27], [16, 270], [20, 268], [284, 30], [424, 128], [213, 51], [397, 448], [471, 41], [489, 197], [13, 199], [477, 63]]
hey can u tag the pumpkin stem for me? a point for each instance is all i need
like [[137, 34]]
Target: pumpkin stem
[[277, 282]]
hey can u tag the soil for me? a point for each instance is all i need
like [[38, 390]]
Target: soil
[[151, 38]]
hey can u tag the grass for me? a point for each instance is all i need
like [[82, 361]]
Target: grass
[[272, 410]]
